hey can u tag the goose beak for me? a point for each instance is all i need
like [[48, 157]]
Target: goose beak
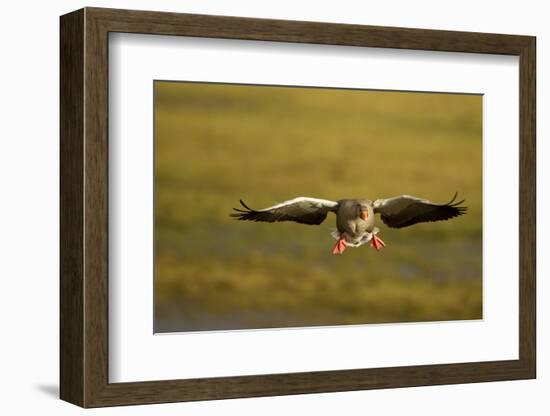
[[364, 215]]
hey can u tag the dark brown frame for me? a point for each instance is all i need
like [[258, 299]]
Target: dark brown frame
[[84, 207]]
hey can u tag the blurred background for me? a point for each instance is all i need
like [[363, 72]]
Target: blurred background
[[217, 143]]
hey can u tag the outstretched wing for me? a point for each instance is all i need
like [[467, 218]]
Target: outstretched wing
[[304, 210], [402, 211]]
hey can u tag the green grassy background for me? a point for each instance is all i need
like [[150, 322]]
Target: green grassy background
[[217, 143]]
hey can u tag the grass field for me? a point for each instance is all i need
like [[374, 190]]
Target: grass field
[[218, 143]]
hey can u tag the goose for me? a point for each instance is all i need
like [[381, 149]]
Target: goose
[[355, 221]]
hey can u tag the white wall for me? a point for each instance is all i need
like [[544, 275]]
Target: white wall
[[29, 207]]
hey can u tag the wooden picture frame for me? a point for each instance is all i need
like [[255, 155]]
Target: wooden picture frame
[[84, 207]]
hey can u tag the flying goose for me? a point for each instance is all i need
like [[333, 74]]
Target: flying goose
[[355, 217]]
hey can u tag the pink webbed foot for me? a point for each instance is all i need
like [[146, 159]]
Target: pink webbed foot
[[340, 246], [377, 243]]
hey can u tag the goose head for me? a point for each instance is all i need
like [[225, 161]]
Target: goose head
[[363, 209]]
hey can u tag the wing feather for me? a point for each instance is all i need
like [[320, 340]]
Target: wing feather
[[303, 210], [405, 210]]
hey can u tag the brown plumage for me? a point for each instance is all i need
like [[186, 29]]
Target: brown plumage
[[355, 217]]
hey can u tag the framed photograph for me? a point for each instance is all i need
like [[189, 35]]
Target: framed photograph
[[254, 207]]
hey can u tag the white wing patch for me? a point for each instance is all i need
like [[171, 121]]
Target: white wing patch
[[311, 204], [397, 203]]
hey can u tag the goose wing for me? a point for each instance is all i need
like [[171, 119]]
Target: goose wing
[[402, 211], [304, 210]]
